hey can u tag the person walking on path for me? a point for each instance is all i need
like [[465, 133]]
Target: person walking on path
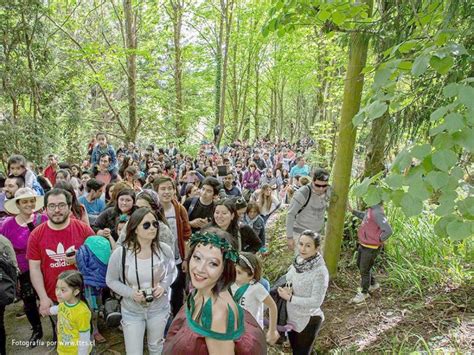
[[307, 280], [373, 232], [308, 207]]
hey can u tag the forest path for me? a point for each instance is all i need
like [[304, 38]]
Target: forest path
[[442, 320], [390, 321]]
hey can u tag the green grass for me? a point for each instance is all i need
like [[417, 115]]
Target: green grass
[[418, 260]]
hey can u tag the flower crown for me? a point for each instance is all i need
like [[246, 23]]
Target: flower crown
[[209, 238]]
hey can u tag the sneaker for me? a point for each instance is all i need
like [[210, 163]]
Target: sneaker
[[360, 297], [35, 337], [374, 287], [20, 315]]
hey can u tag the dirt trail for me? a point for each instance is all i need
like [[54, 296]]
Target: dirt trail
[[389, 321]]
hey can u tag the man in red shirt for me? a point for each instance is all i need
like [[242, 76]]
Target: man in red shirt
[[49, 245], [51, 169]]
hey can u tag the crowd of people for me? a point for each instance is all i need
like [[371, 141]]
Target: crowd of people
[[170, 244]]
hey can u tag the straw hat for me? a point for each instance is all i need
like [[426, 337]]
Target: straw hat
[[25, 192]]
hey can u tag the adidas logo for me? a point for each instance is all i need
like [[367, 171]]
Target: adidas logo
[[59, 256]]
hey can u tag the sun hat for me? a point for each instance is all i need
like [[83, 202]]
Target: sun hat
[[25, 192]]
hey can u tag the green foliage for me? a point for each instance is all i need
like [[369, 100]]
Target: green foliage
[[429, 174], [419, 260], [436, 168]]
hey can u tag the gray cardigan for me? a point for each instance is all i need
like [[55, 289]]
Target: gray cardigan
[[311, 217], [309, 290]]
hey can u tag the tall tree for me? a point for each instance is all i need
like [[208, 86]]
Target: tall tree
[[131, 46], [225, 26], [175, 12], [341, 174]]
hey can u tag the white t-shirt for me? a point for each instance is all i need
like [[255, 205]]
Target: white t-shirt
[[252, 300], [170, 215]]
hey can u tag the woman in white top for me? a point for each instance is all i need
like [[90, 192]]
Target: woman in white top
[[149, 271], [309, 278]]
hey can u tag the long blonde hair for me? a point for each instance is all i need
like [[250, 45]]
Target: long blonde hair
[[265, 202]]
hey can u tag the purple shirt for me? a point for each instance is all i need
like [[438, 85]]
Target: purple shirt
[[18, 236]]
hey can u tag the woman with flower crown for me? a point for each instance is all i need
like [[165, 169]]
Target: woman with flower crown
[[211, 322]]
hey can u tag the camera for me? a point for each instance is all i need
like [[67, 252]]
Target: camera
[[148, 294]]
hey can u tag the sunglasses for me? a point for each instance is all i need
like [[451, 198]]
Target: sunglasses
[[240, 201], [147, 225], [321, 186]]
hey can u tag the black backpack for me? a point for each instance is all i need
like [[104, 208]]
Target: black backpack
[[8, 279]]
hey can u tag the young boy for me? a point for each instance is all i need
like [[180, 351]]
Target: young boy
[[92, 202]]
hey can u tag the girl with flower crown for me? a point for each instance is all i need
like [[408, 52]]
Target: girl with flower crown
[[211, 322]]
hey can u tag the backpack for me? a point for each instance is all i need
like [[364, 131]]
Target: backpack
[[8, 279], [194, 201], [307, 201]]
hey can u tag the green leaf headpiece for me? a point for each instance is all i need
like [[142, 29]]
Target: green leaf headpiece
[[210, 238]]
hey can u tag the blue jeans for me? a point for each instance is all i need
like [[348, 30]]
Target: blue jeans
[[134, 323]]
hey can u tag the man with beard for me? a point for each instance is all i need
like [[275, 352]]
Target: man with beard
[[51, 247], [11, 185], [154, 173]]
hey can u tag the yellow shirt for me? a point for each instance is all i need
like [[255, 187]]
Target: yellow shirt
[[72, 320]]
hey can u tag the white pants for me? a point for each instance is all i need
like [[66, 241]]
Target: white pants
[[134, 324]]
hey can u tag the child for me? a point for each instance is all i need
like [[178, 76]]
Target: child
[[253, 219], [251, 295], [17, 166], [73, 315], [104, 148], [373, 232], [92, 259]]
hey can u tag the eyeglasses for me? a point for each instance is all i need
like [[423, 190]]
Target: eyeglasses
[[147, 225], [153, 172], [53, 206], [321, 186]]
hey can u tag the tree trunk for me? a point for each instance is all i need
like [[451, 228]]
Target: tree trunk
[[273, 116], [257, 98], [131, 43], [235, 93], [176, 15], [341, 174], [281, 113], [34, 89], [227, 11], [374, 161], [218, 83]]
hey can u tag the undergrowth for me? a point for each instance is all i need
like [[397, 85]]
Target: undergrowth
[[417, 260]]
